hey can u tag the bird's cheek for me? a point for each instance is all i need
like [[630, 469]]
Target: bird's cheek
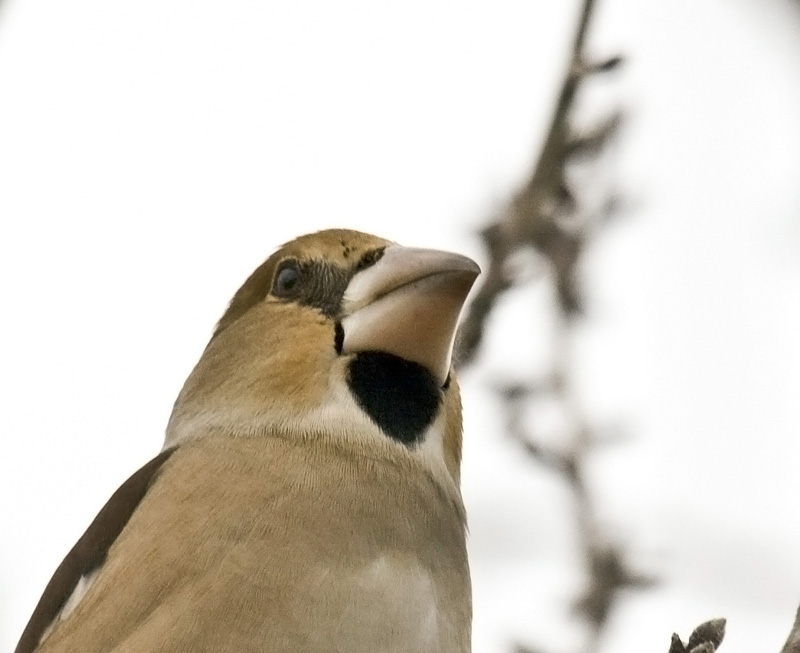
[[290, 363], [269, 361]]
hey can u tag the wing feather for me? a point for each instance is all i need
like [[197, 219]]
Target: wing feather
[[89, 552]]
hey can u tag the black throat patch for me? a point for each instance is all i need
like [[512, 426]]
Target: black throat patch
[[401, 397]]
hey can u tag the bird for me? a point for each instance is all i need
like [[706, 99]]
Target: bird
[[307, 497]]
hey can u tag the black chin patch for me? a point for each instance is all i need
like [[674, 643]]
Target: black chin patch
[[401, 397]]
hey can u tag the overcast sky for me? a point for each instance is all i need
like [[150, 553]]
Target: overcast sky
[[153, 153]]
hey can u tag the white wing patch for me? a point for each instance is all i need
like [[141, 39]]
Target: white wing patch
[[72, 602]]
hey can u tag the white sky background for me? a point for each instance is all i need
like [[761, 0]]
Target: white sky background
[[153, 153]]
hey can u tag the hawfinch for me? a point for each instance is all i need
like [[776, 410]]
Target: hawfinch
[[307, 497]]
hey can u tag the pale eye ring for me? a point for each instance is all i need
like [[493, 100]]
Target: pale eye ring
[[287, 280]]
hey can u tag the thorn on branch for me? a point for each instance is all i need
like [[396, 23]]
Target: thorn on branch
[[548, 457], [609, 574], [592, 142], [607, 65]]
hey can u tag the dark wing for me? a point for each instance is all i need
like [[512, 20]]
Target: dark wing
[[90, 550]]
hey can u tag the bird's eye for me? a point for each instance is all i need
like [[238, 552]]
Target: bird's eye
[[287, 280]]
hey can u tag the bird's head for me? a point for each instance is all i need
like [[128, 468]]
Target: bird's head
[[338, 335]]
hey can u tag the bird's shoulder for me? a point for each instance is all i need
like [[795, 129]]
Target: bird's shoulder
[[89, 553]]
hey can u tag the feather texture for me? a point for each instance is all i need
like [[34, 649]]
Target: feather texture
[[307, 498]]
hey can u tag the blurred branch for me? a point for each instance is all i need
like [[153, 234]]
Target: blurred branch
[[546, 214], [532, 216]]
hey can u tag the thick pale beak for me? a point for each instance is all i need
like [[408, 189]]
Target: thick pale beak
[[408, 304]]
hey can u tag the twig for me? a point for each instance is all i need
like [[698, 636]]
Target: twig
[[532, 217], [545, 215]]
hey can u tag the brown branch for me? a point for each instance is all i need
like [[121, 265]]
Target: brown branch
[[531, 216], [545, 215]]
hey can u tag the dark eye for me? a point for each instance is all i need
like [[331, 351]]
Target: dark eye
[[287, 280]]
